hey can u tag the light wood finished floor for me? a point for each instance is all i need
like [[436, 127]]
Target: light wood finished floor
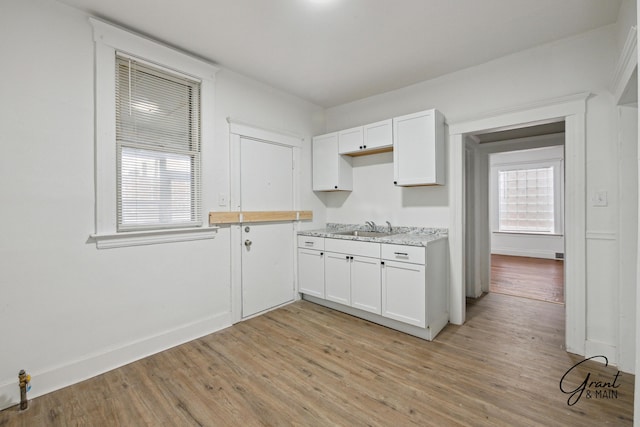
[[307, 365], [536, 278]]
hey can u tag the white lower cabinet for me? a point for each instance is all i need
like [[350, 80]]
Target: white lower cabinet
[[402, 287], [403, 292], [350, 277], [311, 266], [337, 276], [311, 272], [365, 284], [415, 285]]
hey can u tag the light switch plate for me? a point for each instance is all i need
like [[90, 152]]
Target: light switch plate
[[222, 199]]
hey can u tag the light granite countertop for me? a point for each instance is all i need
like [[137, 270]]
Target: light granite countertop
[[410, 236]]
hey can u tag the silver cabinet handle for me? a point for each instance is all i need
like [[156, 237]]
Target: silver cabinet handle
[[247, 243], [401, 253]]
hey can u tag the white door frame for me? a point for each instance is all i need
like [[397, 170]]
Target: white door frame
[[237, 131], [571, 109]]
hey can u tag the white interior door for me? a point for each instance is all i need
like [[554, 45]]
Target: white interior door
[[266, 184]]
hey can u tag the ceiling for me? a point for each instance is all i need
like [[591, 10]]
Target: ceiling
[[342, 50]]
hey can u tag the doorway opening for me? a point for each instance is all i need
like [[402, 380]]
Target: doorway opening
[[571, 110], [526, 210], [515, 212]]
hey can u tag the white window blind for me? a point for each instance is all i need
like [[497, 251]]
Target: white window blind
[[158, 147], [526, 200]]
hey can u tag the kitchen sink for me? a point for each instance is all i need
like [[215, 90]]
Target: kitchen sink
[[363, 233]]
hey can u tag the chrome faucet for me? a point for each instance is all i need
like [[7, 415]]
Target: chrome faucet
[[390, 228], [371, 225]]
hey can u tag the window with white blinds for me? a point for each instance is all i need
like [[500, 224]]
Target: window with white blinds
[[158, 147], [526, 200]]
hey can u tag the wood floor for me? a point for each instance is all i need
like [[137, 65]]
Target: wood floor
[[307, 365], [536, 278]]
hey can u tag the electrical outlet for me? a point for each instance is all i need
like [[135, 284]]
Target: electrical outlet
[[599, 199]]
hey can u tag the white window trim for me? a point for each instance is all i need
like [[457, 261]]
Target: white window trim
[[109, 39]]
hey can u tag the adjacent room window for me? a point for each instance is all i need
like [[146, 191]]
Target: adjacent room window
[[526, 200], [158, 147]]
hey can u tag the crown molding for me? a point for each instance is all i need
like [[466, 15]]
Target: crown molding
[[627, 63]]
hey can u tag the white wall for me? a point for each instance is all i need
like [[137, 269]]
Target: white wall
[[527, 245], [628, 232], [577, 64], [626, 19], [375, 197], [628, 195], [69, 311]]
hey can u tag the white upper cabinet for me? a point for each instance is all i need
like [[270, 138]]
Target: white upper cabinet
[[368, 139], [417, 141], [350, 140], [331, 171], [378, 135], [418, 149]]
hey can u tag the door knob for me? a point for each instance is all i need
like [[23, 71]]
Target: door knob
[[247, 243]]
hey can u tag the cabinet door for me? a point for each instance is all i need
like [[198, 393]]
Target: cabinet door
[[337, 277], [403, 292], [366, 284], [378, 135], [331, 171], [325, 165], [350, 140], [418, 149], [311, 272]]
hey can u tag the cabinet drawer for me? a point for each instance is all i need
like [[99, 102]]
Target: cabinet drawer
[[412, 254], [351, 247], [310, 242]]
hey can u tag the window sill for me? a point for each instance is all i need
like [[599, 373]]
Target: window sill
[[152, 237], [528, 233]]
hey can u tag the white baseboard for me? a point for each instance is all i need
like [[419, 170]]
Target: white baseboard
[[532, 253], [597, 348], [52, 379]]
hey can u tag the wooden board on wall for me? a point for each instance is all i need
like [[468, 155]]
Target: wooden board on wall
[[258, 216]]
